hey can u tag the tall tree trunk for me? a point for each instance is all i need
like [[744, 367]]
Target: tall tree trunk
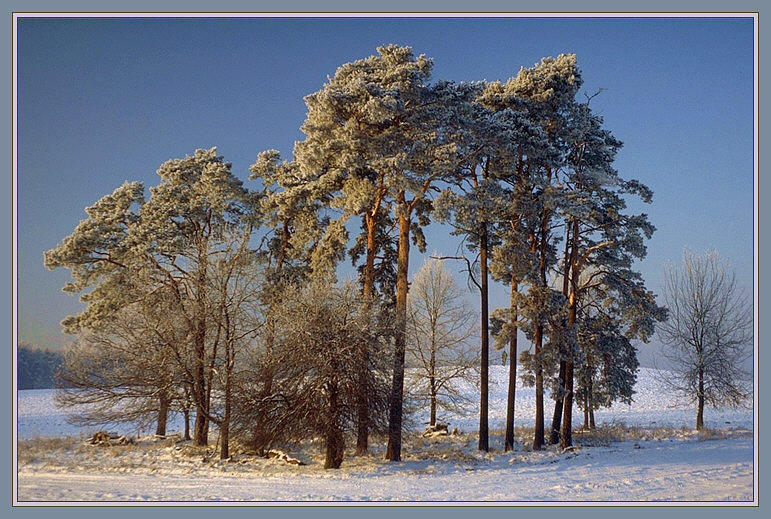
[[394, 447], [590, 397], [700, 412], [200, 436], [511, 397], [260, 439], [200, 393], [559, 402], [586, 411], [163, 413], [362, 430], [566, 432], [538, 435], [485, 360]]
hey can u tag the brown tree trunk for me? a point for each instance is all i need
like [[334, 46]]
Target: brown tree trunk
[[362, 431], [200, 393], [260, 439], [538, 435], [200, 436], [566, 432], [163, 414], [394, 447], [485, 360], [590, 399], [556, 422], [199, 427], [225, 424], [586, 412], [335, 441], [511, 397], [186, 414], [335, 448]]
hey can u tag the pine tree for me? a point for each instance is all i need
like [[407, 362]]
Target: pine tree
[[129, 249], [601, 240], [375, 143]]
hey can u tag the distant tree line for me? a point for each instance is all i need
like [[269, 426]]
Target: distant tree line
[[36, 368], [221, 301]]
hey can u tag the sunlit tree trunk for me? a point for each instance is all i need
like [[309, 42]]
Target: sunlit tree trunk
[[394, 447], [362, 431], [566, 433]]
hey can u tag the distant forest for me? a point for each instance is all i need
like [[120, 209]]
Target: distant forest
[[36, 367]]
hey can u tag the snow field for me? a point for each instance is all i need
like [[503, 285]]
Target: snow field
[[654, 456]]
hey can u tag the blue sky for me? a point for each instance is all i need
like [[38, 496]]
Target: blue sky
[[101, 101]]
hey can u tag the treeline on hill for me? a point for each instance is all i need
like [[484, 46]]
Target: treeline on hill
[[36, 368], [221, 301]]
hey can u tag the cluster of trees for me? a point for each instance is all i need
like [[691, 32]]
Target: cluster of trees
[[35, 367], [212, 298]]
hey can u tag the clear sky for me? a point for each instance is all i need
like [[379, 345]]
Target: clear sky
[[101, 101]]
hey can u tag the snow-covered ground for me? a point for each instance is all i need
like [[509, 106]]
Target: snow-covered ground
[[646, 465]]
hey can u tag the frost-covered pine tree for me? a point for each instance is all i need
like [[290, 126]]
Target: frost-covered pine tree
[[603, 241], [129, 249], [347, 158], [520, 145], [376, 143], [545, 92], [477, 206]]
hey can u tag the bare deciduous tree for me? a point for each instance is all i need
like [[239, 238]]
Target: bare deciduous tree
[[440, 323], [120, 372], [709, 332], [319, 331]]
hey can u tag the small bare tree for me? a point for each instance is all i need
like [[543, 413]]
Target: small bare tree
[[709, 333], [440, 323], [121, 373]]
